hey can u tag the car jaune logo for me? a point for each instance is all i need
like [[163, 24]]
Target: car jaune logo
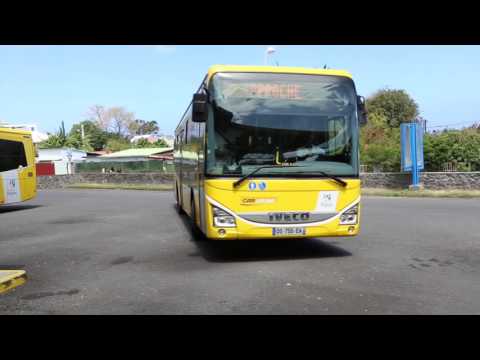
[[256, 201]]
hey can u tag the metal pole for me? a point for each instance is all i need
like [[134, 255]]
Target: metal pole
[[413, 149]]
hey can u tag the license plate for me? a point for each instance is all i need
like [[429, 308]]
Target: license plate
[[290, 231]]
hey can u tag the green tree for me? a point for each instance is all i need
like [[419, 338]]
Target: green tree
[[142, 127], [117, 143], [143, 143], [396, 105], [459, 147], [58, 140], [94, 137], [380, 144]]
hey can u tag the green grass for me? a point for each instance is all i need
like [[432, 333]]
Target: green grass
[[466, 194], [150, 187]]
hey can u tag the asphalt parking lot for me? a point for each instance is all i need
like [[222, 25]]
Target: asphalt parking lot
[[128, 252]]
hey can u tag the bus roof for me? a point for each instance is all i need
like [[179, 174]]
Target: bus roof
[[14, 131], [275, 69]]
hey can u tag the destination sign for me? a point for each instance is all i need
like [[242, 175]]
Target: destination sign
[[265, 90]]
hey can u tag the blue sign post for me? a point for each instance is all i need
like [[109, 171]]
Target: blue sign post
[[412, 151]]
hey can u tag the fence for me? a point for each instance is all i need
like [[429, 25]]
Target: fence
[[147, 166]]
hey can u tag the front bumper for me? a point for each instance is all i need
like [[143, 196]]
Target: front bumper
[[247, 231]]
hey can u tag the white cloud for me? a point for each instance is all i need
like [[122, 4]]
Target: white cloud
[[164, 49]]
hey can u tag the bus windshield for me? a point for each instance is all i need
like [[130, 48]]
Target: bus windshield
[[262, 119]]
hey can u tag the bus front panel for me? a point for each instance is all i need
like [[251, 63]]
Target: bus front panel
[[264, 208]]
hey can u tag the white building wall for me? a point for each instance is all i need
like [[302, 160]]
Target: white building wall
[[61, 167]]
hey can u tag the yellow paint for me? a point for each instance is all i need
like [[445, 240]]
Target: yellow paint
[[10, 279], [290, 195], [275, 69], [280, 195], [26, 176]]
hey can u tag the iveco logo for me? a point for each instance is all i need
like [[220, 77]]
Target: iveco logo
[[289, 217]]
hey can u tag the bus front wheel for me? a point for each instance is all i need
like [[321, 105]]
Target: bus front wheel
[[197, 234], [178, 207]]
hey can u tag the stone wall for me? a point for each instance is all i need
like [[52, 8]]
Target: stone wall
[[433, 180], [451, 180], [429, 180], [385, 180], [61, 181]]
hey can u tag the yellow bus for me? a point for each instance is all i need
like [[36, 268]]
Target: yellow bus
[[17, 166], [270, 152]]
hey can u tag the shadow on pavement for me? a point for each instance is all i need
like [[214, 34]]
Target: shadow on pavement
[[267, 250], [261, 250], [10, 208]]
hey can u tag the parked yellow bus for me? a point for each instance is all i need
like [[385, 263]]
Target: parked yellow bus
[[270, 152], [17, 166]]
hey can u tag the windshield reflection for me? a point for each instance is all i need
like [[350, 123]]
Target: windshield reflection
[[257, 123]]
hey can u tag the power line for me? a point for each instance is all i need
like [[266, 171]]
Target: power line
[[447, 125]]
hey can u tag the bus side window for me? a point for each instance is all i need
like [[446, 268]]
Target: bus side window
[[191, 129], [12, 155]]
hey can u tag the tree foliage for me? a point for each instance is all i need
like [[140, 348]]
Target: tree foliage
[[120, 121], [115, 120], [57, 140], [94, 138], [144, 143], [396, 105], [380, 138], [104, 129], [380, 144], [459, 147], [98, 114], [142, 127], [117, 143]]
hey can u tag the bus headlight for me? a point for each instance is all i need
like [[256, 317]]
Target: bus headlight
[[222, 219], [350, 216]]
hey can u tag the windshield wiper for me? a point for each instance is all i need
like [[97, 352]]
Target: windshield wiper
[[243, 178], [332, 177]]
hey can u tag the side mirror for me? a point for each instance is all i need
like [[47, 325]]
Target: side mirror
[[362, 111], [199, 108]]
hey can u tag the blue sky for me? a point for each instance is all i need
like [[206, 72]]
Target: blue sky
[[44, 85]]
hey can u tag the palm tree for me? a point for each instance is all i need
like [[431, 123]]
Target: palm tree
[[58, 140]]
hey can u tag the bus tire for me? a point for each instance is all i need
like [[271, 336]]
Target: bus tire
[[197, 234], [178, 207]]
